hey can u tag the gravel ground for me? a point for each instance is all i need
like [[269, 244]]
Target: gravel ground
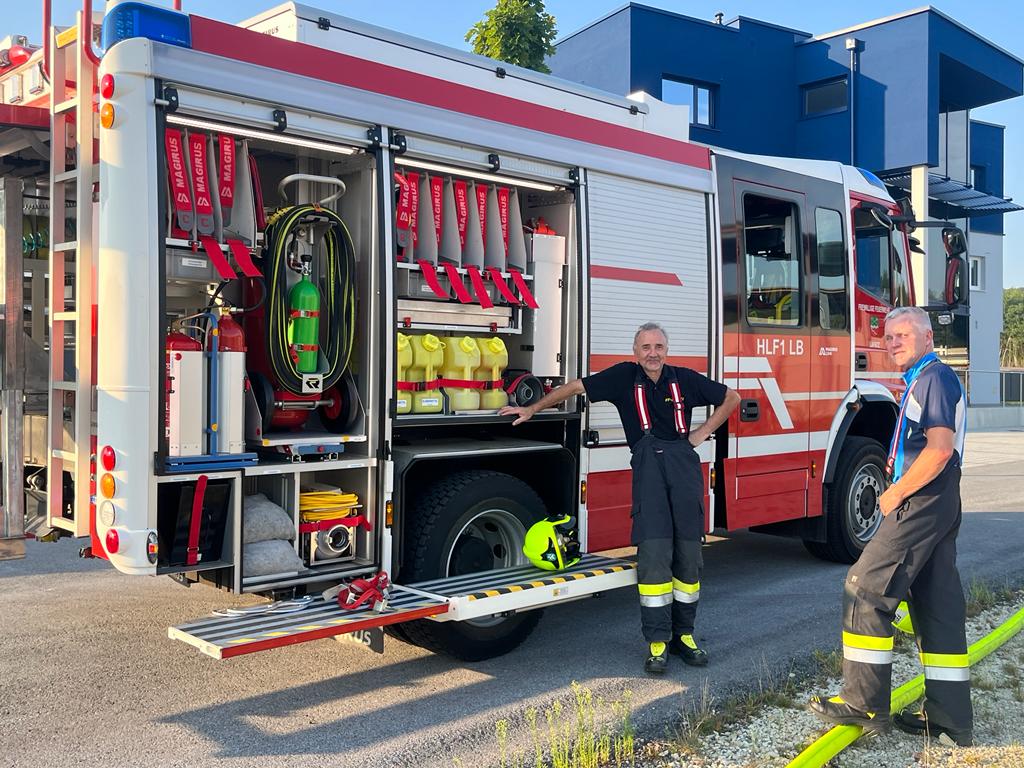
[[776, 735]]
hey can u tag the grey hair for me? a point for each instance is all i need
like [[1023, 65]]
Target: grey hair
[[649, 327], [915, 314]]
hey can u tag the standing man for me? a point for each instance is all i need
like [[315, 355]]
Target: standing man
[[655, 401], [912, 556]]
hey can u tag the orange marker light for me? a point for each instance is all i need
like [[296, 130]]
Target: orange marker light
[[107, 115], [107, 485]]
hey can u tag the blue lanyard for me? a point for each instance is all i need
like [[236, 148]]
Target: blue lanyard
[[910, 378]]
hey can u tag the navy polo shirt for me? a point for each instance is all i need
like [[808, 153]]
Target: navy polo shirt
[[934, 398], [616, 385]]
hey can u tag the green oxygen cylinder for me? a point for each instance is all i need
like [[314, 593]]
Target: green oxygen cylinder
[[304, 325]]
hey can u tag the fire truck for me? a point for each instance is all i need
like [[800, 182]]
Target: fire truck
[[293, 268]]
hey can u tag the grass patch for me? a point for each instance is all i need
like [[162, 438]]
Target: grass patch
[[982, 595], [828, 663], [578, 736], [704, 715]]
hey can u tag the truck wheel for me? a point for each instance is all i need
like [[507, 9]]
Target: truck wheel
[[852, 513], [471, 522]]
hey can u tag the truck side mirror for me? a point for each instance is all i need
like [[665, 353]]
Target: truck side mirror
[[954, 241], [955, 293]]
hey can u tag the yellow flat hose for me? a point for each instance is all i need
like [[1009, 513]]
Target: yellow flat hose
[[841, 736]]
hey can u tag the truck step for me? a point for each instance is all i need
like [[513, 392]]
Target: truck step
[[452, 599]]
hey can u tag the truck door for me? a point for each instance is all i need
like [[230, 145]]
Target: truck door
[[767, 356]]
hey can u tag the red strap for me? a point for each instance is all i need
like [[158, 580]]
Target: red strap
[[524, 291], [353, 521], [216, 255], [503, 288], [177, 172], [417, 386], [257, 194], [242, 257], [677, 407], [436, 189], [479, 288], [226, 174], [461, 209], [430, 275], [201, 183], [456, 282], [471, 383], [196, 521], [511, 388], [303, 313], [362, 591], [641, 407], [503, 196], [481, 206], [402, 220]]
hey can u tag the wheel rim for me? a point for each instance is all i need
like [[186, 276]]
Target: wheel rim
[[489, 540], [862, 513]]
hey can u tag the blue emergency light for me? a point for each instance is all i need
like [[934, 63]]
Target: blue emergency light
[[127, 20]]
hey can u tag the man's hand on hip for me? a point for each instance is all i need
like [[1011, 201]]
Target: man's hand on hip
[[890, 500]]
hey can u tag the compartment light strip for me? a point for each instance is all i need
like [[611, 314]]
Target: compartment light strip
[[277, 138], [496, 178]]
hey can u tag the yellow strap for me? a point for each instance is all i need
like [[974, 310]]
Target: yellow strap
[[682, 586], [945, 660], [867, 642], [655, 589]]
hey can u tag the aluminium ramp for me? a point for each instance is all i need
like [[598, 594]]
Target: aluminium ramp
[[452, 599]]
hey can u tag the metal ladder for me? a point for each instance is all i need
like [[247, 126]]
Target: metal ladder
[[73, 164]]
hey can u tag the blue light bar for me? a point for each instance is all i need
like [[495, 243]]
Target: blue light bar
[[127, 20], [872, 179]]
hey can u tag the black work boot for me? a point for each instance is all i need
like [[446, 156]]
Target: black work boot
[[685, 646], [917, 724], [838, 712], [657, 662]]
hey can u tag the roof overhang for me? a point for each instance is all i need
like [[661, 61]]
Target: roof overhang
[[960, 200]]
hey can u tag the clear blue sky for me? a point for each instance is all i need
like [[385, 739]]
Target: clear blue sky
[[447, 22]]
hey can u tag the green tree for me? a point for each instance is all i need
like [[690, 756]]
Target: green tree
[[519, 32], [1012, 337]]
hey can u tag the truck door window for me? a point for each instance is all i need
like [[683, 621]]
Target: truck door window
[[873, 260], [771, 237], [900, 271], [832, 301]]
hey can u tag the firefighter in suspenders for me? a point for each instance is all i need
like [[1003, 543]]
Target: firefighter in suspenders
[[912, 556], [654, 401]]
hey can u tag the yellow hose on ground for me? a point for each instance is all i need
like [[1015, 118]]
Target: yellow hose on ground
[[842, 736]]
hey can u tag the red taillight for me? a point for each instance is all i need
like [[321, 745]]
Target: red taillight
[[108, 457], [107, 86], [113, 541]]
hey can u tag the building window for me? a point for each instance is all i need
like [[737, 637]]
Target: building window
[[699, 98], [977, 274], [771, 241], [824, 98], [978, 178]]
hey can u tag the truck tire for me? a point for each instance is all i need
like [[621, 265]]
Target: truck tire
[[470, 522], [851, 501]]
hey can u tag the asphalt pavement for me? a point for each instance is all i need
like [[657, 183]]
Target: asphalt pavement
[[89, 678]]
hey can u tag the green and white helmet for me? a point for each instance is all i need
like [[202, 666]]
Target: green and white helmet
[[551, 543]]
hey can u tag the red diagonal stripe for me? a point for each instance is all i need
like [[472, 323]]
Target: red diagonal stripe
[[634, 275]]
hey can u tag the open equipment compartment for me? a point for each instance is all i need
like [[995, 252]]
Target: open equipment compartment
[[481, 279], [268, 266]]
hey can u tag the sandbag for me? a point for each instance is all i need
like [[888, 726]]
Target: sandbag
[[263, 520], [266, 558]]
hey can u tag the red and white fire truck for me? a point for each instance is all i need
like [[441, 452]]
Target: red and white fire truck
[[297, 265]]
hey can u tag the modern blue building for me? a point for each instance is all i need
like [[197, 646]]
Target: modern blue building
[[893, 96]]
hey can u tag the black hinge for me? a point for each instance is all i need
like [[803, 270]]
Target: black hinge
[[280, 120], [861, 361], [399, 143], [374, 136], [323, 23], [574, 175], [500, 71], [171, 97], [384, 454], [558, 357], [634, 109], [495, 162]]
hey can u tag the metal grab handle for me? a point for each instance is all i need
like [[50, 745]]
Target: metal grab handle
[[317, 179]]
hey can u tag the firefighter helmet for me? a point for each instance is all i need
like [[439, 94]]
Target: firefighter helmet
[[551, 543]]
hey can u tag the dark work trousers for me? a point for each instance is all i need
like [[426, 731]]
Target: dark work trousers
[[668, 522], [912, 557]]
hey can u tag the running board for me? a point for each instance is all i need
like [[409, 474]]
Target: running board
[[453, 599]]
